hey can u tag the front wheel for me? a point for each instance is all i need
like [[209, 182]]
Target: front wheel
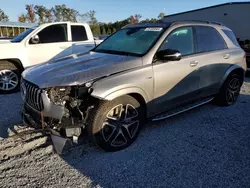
[[9, 78], [230, 91], [115, 125]]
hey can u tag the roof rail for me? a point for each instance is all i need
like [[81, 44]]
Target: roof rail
[[197, 21]]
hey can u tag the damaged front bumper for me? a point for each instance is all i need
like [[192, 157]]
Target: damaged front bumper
[[32, 117], [52, 117], [49, 115], [58, 109]]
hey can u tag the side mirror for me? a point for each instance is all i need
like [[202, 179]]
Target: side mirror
[[169, 54], [35, 39]]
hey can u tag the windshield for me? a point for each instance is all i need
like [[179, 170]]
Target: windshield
[[20, 37], [130, 41]]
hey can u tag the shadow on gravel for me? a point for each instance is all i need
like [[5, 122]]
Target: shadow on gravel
[[206, 147], [10, 107]]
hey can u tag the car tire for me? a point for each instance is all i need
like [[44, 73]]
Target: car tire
[[229, 91], [114, 125], [9, 78]]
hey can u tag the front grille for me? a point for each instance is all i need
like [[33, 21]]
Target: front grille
[[32, 95]]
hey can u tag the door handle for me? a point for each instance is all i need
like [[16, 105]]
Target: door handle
[[226, 56], [193, 63]]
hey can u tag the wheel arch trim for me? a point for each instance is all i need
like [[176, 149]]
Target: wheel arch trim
[[230, 70], [124, 91], [17, 62]]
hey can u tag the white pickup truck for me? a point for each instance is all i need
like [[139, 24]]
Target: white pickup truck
[[40, 44]]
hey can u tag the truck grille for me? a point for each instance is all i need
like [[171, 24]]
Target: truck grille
[[32, 95]]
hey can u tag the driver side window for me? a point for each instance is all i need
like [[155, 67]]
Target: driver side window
[[180, 39], [53, 34]]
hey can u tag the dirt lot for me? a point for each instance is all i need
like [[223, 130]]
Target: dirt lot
[[205, 147]]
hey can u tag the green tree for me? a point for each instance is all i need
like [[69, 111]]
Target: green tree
[[114, 30], [109, 32], [22, 18], [161, 15], [135, 19], [69, 14], [152, 20], [31, 16], [103, 30], [57, 12], [49, 15], [63, 13], [90, 17], [95, 29], [3, 16], [41, 11]]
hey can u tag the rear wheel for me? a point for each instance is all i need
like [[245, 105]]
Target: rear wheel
[[230, 91], [116, 124], [9, 78]]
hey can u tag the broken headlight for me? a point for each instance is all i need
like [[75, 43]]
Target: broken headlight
[[59, 95]]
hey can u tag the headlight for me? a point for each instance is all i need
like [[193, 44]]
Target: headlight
[[58, 95], [88, 84]]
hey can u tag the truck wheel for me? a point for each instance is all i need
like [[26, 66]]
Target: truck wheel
[[9, 78], [230, 91], [115, 125]]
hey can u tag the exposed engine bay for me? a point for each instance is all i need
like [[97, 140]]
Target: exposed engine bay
[[75, 104]]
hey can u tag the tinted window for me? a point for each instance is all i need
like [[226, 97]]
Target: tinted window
[[78, 33], [208, 39], [54, 33], [180, 39], [231, 36]]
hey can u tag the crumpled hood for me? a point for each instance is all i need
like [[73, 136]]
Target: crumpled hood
[[79, 69]]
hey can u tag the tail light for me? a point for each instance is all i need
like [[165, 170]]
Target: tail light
[[245, 54]]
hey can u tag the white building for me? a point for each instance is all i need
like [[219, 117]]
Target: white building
[[234, 15], [11, 29]]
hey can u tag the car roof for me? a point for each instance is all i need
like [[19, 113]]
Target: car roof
[[168, 24], [160, 24]]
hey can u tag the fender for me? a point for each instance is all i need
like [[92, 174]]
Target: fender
[[126, 91], [137, 81], [115, 93], [230, 70]]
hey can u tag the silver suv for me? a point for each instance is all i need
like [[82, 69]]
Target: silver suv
[[142, 72]]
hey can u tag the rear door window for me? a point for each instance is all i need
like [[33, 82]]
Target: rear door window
[[231, 36], [208, 39], [78, 33]]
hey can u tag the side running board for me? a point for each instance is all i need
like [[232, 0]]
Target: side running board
[[180, 110]]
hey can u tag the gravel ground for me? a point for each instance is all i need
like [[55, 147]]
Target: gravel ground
[[10, 106], [206, 147]]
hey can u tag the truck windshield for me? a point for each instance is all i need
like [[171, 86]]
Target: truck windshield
[[131, 41], [20, 37]]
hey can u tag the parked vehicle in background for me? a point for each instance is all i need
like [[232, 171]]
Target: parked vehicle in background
[[247, 50], [143, 71], [40, 44]]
